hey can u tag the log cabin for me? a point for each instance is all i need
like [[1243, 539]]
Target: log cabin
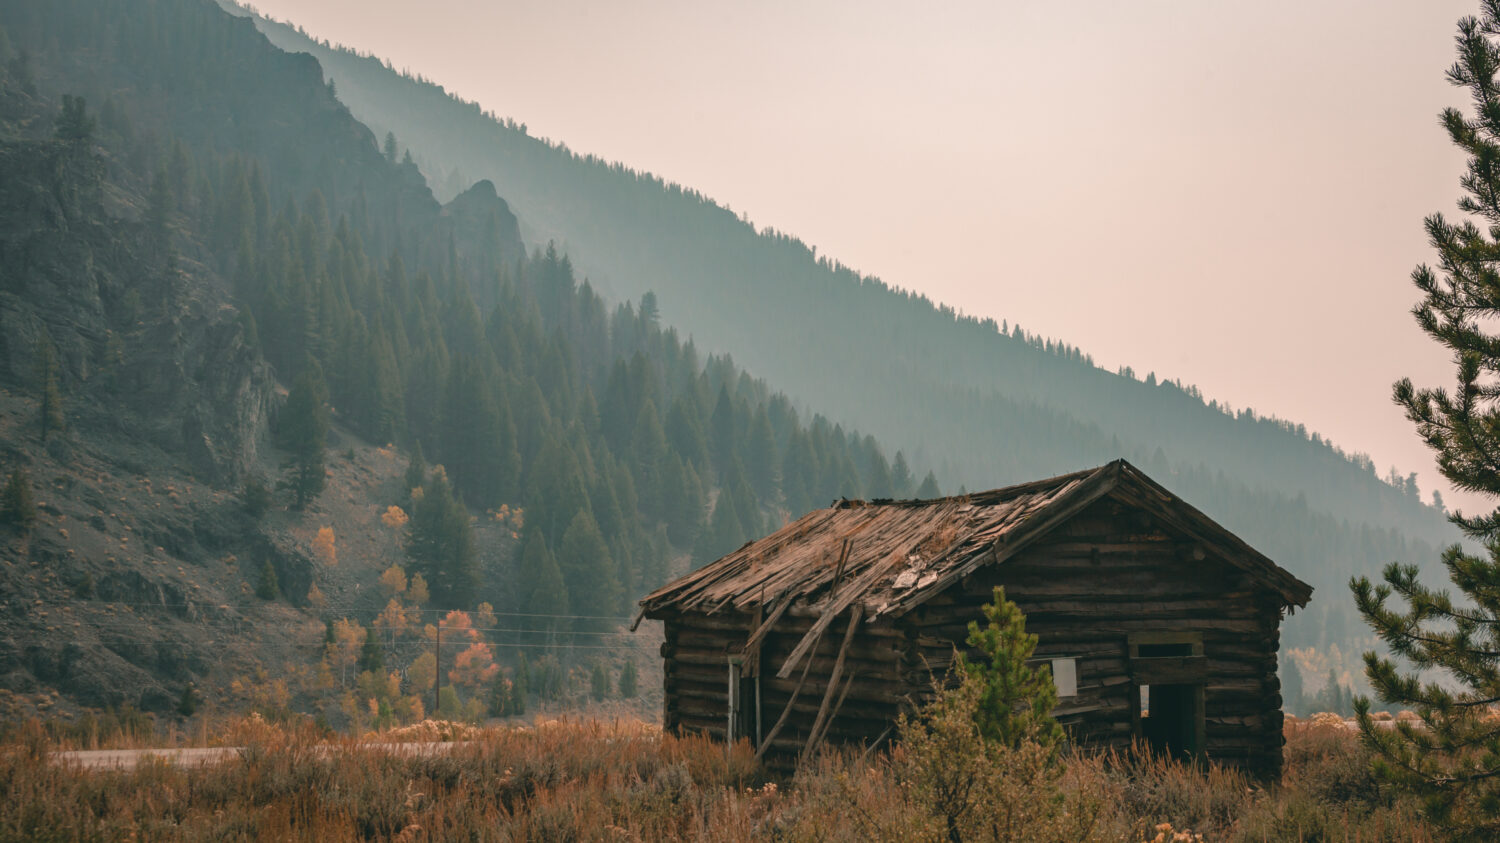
[[1159, 625]]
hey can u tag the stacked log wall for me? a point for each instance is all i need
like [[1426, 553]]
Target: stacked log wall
[[1111, 572], [696, 653]]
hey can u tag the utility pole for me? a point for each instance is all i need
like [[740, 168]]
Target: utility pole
[[437, 670]]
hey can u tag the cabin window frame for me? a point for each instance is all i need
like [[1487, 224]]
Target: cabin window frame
[[735, 693], [1177, 657]]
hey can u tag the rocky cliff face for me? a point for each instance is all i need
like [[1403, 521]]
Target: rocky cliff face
[[148, 342]]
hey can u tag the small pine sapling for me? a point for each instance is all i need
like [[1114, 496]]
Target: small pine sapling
[[599, 682], [629, 679], [268, 588], [17, 508], [1016, 700]]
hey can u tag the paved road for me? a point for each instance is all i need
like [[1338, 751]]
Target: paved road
[[126, 759]]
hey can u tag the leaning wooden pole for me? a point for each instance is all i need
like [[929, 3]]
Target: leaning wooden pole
[[820, 724], [786, 713]]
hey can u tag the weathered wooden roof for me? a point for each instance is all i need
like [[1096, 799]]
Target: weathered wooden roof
[[900, 553]]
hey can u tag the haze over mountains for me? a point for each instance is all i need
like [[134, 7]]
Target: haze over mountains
[[985, 404], [1237, 179], [209, 258]]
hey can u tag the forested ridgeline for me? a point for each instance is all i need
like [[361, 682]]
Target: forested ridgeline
[[419, 324], [807, 322]]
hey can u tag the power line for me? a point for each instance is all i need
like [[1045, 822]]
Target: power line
[[207, 604], [105, 624]]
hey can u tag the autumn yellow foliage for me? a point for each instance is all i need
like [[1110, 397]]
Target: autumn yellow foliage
[[323, 546], [417, 590], [393, 581], [474, 667]]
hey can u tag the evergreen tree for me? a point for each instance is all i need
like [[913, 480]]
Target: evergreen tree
[[416, 471], [48, 392], [799, 473], [878, 480], [267, 588], [390, 147], [682, 501], [1017, 700], [1453, 760], [255, 497], [440, 543], [725, 533], [303, 430], [735, 491], [599, 682], [16, 506], [541, 587], [761, 463], [1334, 698], [618, 410], [384, 402], [522, 687], [628, 680], [188, 702], [589, 571], [555, 490], [929, 488], [901, 479], [371, 657], [722, 431], [684, 429], [478, 441], [648, 446], [500, 703]]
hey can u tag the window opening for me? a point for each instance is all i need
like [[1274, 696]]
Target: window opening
[[1170, 672], [1065, 677], [1161, 651]]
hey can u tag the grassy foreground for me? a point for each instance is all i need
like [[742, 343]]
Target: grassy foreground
[[580, 780]]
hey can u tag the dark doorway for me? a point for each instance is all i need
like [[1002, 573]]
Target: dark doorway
[[1172, 719]]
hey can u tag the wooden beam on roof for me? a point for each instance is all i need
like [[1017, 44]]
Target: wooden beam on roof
[[770, 622], [1066, 506]]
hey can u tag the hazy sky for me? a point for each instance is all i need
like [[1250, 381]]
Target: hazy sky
[[1227, 193]]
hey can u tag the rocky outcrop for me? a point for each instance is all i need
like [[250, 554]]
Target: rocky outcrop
[[147, 342], [489, 235]]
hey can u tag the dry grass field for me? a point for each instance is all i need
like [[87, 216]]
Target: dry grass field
[[596, 779]]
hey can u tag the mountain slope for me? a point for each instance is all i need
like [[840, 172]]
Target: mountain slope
[[807, 321], [987, 404], [192, 224]]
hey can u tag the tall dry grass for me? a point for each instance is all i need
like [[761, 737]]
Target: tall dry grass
[[587, 780]]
